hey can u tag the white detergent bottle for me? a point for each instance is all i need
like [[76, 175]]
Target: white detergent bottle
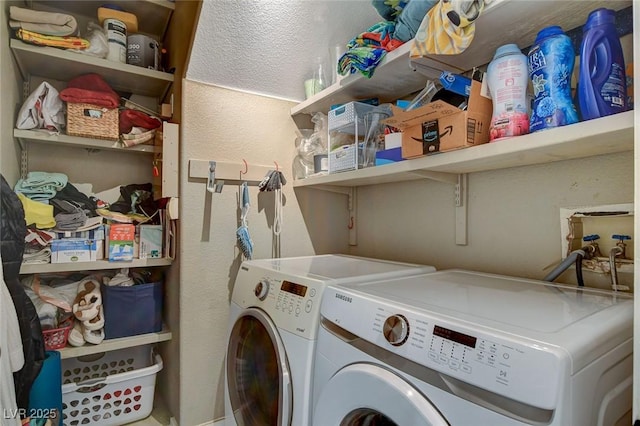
[[508, 77]]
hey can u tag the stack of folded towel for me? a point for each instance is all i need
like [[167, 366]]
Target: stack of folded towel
[[46, 28]]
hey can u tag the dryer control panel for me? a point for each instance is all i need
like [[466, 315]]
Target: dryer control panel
[[521, 369], [292, 303]]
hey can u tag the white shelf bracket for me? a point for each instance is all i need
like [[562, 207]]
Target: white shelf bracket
[[461, 209], [460, 192], [352, 194]]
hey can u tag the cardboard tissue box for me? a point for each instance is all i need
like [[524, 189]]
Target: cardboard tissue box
[[439, 126], [71, 250], [151, 238]]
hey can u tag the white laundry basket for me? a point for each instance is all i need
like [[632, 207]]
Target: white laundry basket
[[110, 388]]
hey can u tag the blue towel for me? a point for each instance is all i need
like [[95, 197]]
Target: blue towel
[[41, 186], [46, 390]]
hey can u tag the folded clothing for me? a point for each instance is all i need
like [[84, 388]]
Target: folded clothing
[[37, 213], [48, 23], [64, 42], [41, 186], [90, 89]]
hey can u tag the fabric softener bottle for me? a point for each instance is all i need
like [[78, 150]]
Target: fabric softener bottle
[[551, 60], [507, 79], [602, 86]]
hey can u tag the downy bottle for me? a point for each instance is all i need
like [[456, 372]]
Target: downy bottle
[[551, 60], [507, 79]]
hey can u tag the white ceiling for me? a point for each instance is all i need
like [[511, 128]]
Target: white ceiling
[[269, 46]]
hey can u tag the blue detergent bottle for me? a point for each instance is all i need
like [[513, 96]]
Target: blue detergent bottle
[[551, 60], [602, 86]]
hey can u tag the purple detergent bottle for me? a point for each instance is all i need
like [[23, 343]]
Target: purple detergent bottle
[[602, 85]]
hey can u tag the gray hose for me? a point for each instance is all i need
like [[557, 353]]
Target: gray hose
[[564, 265], [612, 265]]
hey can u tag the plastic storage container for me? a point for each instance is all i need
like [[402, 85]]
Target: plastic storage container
[[110, 388], [508, 78], [551, 61], [602, 86]]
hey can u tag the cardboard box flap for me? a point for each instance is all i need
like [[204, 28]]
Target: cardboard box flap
[[479, 99], [432, 111]]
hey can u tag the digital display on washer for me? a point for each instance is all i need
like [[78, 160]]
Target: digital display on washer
[[463, 339], [297, 289]]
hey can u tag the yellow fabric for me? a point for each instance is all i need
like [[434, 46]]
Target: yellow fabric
[[437, 35], [37, 213], [65, 42]]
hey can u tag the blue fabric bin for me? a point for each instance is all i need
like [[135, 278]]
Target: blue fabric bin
[[132, 310]]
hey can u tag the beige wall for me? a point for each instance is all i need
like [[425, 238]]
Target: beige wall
[[11, 89], [513, 215], [223, 125]]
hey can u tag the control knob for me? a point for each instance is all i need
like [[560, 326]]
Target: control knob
[[262, 289], [396, 329]]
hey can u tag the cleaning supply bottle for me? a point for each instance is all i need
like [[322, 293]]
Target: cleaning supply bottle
[[507, 80], [551, 60], [602, 86]]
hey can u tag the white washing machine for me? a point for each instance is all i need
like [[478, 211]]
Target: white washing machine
[[465, 348], [273, 325]]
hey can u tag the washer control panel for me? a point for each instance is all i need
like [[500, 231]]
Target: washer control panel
[[516, 367]]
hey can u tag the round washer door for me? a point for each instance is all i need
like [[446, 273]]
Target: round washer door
[[258, 376], [366, 394]]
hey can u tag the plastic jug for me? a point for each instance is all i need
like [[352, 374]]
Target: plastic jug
[[508, 77], [551, 61], [602, 86]]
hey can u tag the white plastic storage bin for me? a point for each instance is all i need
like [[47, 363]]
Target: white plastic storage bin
[[110, 388]]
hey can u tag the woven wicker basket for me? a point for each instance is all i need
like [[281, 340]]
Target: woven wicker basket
[[92, 121]]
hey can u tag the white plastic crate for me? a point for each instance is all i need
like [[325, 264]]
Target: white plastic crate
[[110, 388]]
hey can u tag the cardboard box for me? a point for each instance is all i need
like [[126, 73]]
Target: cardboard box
[[151, 238], [71, 250], [440, 127], [121, 239]]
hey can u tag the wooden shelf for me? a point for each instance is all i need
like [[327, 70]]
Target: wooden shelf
[[153, 15], [115, 344], [44, 137], [601, 136], [42, 268], [398, 75], [64, 65]]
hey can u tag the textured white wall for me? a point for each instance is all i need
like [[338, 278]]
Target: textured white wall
[[224, 125], [269, 46]]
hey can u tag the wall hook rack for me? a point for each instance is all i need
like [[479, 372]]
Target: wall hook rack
[[218, 173]]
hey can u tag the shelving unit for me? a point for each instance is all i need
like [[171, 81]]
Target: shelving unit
[[399, 75], [604, 135], [115, 344], [43, 268], [63, 65], [35, 63], [43, 137]]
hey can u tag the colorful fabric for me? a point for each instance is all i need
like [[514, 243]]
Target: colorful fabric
[[366, 50], [448, 28], [389, 10], [64, 42]]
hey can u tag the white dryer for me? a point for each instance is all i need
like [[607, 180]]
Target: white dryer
[[273, 324], [464, 348]]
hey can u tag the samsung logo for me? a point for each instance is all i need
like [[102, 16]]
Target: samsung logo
[[343, 297]]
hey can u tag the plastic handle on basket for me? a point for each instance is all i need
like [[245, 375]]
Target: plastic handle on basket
[[90, 385]]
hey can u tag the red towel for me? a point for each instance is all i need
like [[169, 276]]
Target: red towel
[[130, 118], [90, 89]]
